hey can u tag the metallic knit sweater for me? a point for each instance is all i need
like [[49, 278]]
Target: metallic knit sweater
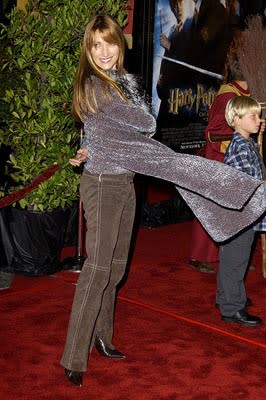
[[223, 199]]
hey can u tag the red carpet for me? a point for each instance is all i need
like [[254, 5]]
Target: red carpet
[[177, 346]]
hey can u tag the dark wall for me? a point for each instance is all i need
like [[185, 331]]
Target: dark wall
[[252, 7]]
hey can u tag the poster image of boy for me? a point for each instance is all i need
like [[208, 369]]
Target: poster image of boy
[[192, 55]]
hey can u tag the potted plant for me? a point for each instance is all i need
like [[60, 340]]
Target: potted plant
[[42, 55]]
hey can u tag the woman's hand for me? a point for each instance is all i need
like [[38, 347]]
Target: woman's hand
[[262, 126], [165, 42], [81, 156]]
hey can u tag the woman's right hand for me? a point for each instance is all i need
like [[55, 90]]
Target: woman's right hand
[[81, 156]]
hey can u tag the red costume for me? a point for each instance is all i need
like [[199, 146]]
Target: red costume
[[203, 248]]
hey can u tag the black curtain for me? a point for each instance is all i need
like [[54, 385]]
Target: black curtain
[[141, 57]]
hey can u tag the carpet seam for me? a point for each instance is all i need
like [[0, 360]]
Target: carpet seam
[[160, 310], [191, 321]]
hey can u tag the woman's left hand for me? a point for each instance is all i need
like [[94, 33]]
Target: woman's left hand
[[262, 126], [81, 156]]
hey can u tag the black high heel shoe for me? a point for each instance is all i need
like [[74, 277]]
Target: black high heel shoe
[[74, 377], [106, 351]]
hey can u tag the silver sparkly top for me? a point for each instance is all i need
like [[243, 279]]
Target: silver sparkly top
[[116, 116]]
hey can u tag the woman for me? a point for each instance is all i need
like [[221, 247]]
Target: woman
[[115, 116], [106, 189]]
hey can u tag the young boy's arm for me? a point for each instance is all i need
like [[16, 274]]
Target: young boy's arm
[[242, 161]]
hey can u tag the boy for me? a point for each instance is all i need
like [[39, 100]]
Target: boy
[[243, 114]]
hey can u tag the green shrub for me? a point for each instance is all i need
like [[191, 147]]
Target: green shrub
[[38, 68]]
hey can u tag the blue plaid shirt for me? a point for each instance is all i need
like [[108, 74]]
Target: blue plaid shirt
[[244, 155]]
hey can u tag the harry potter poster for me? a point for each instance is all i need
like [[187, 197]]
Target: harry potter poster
[[190, 42]]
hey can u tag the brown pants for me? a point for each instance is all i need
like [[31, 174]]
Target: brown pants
[[109, 205]]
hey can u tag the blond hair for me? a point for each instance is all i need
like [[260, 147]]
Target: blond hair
[[240, 106], [84, 98]]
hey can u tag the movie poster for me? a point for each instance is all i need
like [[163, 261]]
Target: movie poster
[[189, 48]]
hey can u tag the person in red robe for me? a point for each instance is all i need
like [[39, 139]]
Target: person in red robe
[[204, 251]]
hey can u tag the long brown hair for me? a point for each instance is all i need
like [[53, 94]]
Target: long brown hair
[[84, 98]]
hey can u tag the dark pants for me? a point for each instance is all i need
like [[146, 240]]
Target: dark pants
[[109, 205], [234, 259]]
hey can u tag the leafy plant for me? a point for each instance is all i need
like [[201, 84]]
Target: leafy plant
[[42, 54]]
